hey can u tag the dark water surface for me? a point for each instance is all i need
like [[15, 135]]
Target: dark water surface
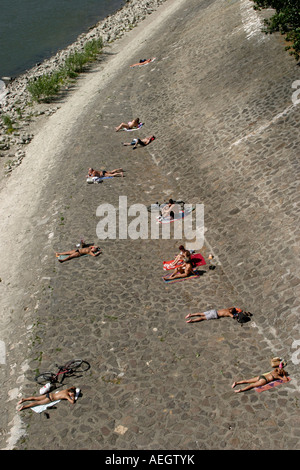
[[34, 30]]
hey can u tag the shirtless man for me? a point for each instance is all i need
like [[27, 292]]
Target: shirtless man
[[213, 314], [276, 374], [182, 271], [129, 125], [67, 394], [101, 174], [142, 142], [87, 250]]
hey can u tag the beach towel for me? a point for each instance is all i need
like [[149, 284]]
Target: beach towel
[[41, 408], [197, 258], [146, 62], [272, 384], [97, 179], [134, 128], [192, 276], [180, 215]]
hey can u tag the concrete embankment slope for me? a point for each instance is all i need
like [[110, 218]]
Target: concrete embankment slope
[[218, 98], [230, 123]]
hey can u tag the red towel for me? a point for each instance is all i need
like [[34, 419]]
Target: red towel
[[197, 260]]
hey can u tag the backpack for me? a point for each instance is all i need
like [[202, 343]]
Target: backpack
[[243, 317]]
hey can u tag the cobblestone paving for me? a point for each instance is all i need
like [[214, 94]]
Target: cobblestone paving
[[155, 381]]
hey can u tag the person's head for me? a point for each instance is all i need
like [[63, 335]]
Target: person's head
[[94, 248], [277, 362], [171, 202], [233, 310], [181, 248]]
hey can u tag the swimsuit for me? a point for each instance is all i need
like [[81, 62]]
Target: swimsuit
[[211, 315], [263, 377], [48, 396]]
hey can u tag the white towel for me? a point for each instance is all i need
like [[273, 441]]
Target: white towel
[[41, 408]]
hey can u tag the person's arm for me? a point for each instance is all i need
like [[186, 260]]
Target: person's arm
[[95, 253]]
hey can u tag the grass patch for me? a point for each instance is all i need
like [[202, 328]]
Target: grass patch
[[8, 123], [45, 87]]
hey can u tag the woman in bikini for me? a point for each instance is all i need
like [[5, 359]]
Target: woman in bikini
[[277, 374], [67, 394], [129, 125]]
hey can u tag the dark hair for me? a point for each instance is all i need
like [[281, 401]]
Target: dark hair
[[181, 248], [171, 201]]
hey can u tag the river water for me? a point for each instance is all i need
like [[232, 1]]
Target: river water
[[34, 30]]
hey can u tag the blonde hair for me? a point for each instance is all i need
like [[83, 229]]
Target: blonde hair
[[278, 362]]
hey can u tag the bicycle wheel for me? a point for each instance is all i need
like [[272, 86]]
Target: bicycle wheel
[[44, 378], [77, 365]]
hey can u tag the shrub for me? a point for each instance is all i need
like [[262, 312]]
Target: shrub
[[286, 20], [46, 86], [8, 123]]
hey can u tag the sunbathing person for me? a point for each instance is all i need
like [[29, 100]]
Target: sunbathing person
[[276, 374], [100, 174], [143, 62], [142, 142], [213, 314], [168, 209], [129, 125], [182, 271], [86, 250], [67, 394], [183, 254]]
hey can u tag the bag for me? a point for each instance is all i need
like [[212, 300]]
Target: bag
[[243, 317]]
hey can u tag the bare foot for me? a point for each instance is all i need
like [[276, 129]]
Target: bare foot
[[233, 385]]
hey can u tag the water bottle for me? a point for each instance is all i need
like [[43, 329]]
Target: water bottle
[[45, 388]]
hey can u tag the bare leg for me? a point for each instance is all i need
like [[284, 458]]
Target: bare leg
[[66, 253], [200, 315], [41, 400], [122, 126], [255, 382], [115, 172], [73, 255]]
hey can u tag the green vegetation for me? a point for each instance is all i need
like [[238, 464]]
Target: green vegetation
[[8, 123], [286, 20], [45, 87]]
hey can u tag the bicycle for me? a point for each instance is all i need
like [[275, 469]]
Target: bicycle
[[68, 369]]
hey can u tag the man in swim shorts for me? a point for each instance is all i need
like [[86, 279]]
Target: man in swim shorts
[[142, 142], [213, 314], [67, 394]]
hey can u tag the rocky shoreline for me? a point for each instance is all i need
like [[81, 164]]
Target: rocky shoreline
[[16, 105]]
